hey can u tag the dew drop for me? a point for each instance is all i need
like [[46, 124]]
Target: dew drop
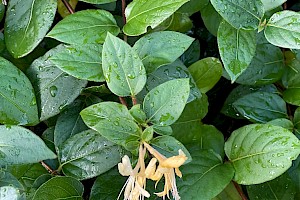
[[53, 91]]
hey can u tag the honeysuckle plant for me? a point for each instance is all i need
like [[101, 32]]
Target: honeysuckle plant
[[114, 99]]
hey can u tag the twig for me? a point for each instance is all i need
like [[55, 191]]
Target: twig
[[48, 168], [240, 191], [124, 18], [68, 6], [122, 100]]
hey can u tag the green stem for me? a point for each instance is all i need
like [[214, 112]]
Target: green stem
[[68, 6]]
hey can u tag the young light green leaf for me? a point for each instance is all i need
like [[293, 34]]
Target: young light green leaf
[[26, 24], [280, 188], [169, 146], [123, 70], [200, 175], [60, 187], [17, 98], [81, 61], [261, 107], [237, 48], [113, 121], [54, 88], [85, 27], [271, 4], [242, 14], [283, 29], [143, 13], [164, 104], [206, 73], [21, 146], [161, 48], [88, 154], [261, 152]]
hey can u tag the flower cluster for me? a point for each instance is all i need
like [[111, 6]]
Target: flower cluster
[[158, 167]]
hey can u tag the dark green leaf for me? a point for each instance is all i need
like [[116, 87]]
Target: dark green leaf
[[98, 1], [85, 27], [206, 73], [181, 22], [296, 119], [2, 11], [162, 130], [123, 69], [283, 29], [192, 54], [292, 96], [81, 61], [204, 177], [164, 104], [261, 152], [48, 138], [60, 188], [193, 6], [141, 14], [26, 24], [211, 19], [54, 88], [113, 121], [17, 99], [242, 14], [21, 146], [229, 193], [271, 4], [237, 48], [279, 188], [161, 48], [88, 154]]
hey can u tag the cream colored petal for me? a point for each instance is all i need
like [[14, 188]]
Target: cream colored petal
[[125, 168], [174, 161], [142, 191], [178, 172], [150, 169]]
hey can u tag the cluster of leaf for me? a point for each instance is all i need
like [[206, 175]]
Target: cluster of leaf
[[63, 74]]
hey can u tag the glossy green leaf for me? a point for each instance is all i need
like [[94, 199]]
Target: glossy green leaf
[[54, 88], [242, 14], [147, 134], [283, 122], [81, 61], [181, 22], [10, 193], [229, 193], [2, 11], [138, 114], [193, 6], [21, 146], [48, 138], [26, 24], [162, 130], [123, 69], [237, 48], [261, 152], [60, 188], [113, 121], [271, 4], [141, 14], [85, 27], [164, 104], [192, 54], [291, 76], [98, 1], [292, 96], [283, 29], [169, 146], [206, 73], [239, 92], [69, 123], [211, 19], [88, 154], [261, 107], [17, 98], [280, 188], [200, 175], [173, 71], [161, 48]]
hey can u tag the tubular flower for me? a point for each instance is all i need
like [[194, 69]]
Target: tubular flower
[[167, 167]]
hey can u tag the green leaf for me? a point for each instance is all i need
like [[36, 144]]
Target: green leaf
[[211, 19], [113, 121], [7, 179], [85, 27], [261, 152], [292, 96], [88, 154], [204, 177], [161, 48], [271, 4], [239, 92], [2, 11], [81, 61], [169, 146], [17, 99], [26, 24], [206, 73], [193, 6], [138, 114], [283, 29], [192, 54], [261, 107], [296, 119], [141, 14], [69, 123], [229, 193], [164, 104], [181, 22], [291, 76], [107, 186], [21, 146], [147, 134], [98, 1], [123, 69], [242, 14], [236, 47], [283, 122], [60, 188], [162, 130], [279, 188], [54, 88]]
